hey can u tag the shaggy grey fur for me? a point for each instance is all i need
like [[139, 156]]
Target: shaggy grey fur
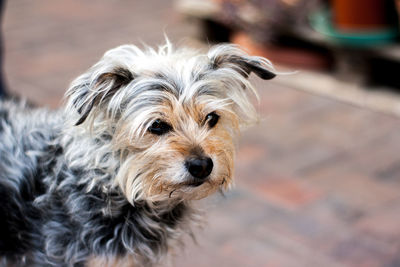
[[60, 201]]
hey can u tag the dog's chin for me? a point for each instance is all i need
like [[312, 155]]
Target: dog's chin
[[193, 182], [195, 189], [189, 188]]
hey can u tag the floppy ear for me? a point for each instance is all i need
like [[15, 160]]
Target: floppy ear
[[228, 55], [93, 88]]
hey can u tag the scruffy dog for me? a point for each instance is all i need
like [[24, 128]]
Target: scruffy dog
[[109, 180]]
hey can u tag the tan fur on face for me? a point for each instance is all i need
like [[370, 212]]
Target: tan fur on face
[[160, 160]]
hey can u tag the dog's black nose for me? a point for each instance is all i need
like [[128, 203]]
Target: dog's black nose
[[199, 167]]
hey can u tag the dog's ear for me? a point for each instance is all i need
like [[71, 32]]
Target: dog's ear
[[94, 88], [231, 56]]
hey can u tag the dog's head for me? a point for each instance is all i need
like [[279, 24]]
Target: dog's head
[[173, 116]]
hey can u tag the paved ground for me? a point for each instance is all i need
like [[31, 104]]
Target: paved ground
[[317, 181]]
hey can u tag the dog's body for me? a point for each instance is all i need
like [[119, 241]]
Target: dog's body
[[110, 178]]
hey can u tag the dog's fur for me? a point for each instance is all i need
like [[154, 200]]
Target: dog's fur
[[92, 183]]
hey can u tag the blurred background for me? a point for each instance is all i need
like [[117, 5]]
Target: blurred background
[[318, 180]]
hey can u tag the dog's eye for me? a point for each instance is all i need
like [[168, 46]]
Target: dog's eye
[[212, 119], [159, 127]]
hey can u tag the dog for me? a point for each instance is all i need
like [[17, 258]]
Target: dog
[[110, 179]]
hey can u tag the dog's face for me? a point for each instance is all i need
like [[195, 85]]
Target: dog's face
[[173, 116]]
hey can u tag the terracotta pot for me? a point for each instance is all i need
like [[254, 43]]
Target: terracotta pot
[[397, 2], [355, 15]]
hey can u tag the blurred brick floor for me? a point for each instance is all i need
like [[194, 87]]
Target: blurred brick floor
[[318, 181]]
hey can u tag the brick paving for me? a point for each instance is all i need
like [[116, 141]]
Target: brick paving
[[317, 180]]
